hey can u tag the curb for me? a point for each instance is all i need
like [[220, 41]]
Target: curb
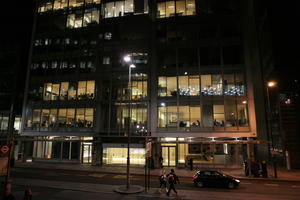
[[141, 174]]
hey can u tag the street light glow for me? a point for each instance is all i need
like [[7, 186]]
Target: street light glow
[[271, 83], [127, 58], [132, 66]]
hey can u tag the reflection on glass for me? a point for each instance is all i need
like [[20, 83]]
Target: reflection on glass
[[118, 155]]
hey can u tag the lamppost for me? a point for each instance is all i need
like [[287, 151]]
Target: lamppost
[[127, 59], [271, 84]]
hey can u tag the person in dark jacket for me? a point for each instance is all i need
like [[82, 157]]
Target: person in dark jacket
[[191, 163], [172, 180], [162, 180], [264, 170]]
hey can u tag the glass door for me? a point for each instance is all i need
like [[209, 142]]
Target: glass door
[[169, 156], [87, 152]]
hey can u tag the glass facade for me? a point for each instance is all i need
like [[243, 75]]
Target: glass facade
[[189, 80], [177, 7]]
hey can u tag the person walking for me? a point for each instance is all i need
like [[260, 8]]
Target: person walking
[[264, 169], [246, 168], [191, 164], [162, 181], [160, 161], [172, 180]]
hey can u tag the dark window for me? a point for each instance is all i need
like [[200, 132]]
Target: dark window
[[56, 149]]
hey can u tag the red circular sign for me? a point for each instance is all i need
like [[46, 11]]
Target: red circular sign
[[4, 149]]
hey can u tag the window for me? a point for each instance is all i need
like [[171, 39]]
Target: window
[[74, 20], [53, 118], [72, 91], [183, 7], [106, 60], [70, 117], [60, 4], [230, 112], [188, 85], [138, 118], [45, 6], [86, 90], [167, 116], [234, 84], [3, 123], [167, 86], [36, 119], [211, 85], [84, 117], [125, 7], [75, 3], [64, 86], [92, 1], [188, 116], [218, 115], [45, 118], [242, 113], [62, 117], [47, 91], [91, 16]]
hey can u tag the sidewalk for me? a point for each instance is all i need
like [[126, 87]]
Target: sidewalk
[[282, 174]]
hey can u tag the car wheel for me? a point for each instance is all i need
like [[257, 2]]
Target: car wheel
[[231, 185], [200, 184]]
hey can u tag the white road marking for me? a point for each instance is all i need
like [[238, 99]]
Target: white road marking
[[268, 184]]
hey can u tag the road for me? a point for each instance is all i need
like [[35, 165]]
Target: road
[[62, 184]]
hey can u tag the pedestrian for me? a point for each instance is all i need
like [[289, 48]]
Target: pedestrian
[[246, 168], [162, 180], [264, 169], [160, 161], [191, 164], [172, 180]]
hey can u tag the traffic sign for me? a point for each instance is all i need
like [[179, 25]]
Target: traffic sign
[[4, 150]]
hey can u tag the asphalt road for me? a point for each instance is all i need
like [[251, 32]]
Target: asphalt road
[[249, 189]]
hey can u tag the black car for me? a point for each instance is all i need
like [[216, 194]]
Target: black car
[[213, 178]]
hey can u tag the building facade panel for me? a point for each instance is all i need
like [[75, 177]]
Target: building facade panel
[[174, 71]]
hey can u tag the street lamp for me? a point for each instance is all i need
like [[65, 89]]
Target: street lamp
[[271, 84], [127, 59]]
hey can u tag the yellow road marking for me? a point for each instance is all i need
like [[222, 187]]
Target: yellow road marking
[[97, 175]]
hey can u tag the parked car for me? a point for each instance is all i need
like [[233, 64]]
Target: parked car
[[213, 178]]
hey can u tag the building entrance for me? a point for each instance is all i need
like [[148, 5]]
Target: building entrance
[[169, 156], [86, 152]]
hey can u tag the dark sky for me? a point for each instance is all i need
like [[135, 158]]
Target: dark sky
[[17, 21]]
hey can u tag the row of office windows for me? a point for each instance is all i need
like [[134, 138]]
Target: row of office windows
[[81, 90], [4, 119], [178, 7], [53, 119], [118, 9], [168, 86], [208, 84], [49, 5], [63, 66], [40, 42], [232, 113], [138, 118]]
